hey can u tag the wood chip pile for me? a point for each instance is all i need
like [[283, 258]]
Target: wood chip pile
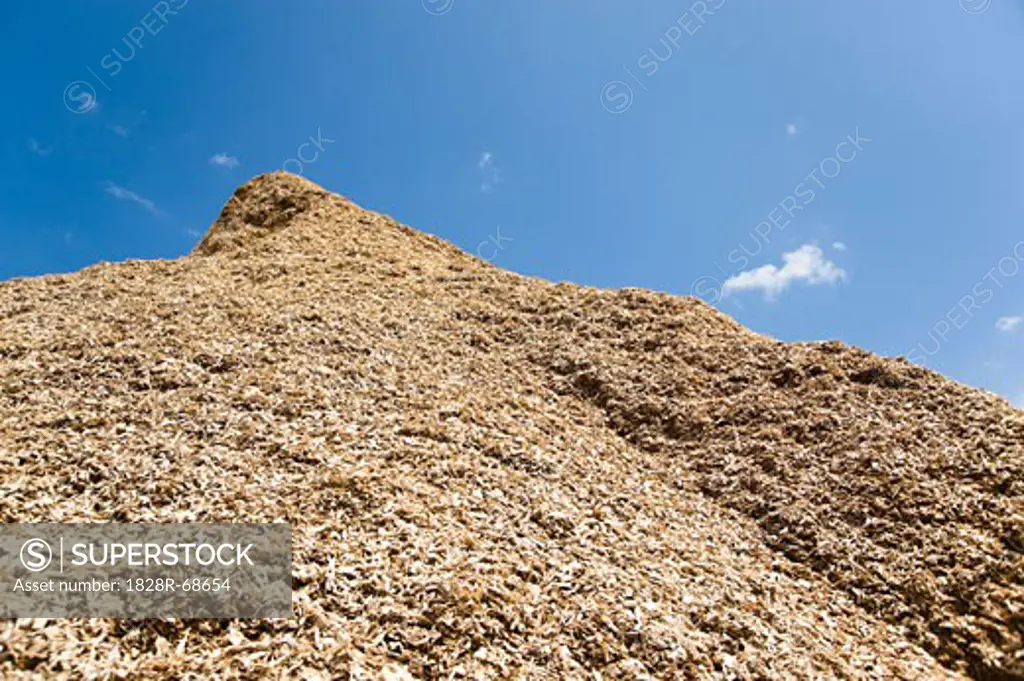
[[491, 476]]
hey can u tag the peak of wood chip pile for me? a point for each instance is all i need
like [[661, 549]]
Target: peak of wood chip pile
[[492, 476]]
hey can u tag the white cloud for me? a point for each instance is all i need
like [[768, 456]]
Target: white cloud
[[791, 130], [807, 264], [1008, 324], [38, 149], [119, 130], [122, 194], [839, 246], [223, 159], [488, 171]]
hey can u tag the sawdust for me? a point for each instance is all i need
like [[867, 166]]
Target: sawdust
[[491, 476]]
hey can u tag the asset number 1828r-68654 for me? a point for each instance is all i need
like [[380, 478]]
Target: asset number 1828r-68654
[[193, 584]]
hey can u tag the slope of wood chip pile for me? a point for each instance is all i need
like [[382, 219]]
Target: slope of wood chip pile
[[491, 476]]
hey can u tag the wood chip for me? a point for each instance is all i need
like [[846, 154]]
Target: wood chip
[[493, 476]]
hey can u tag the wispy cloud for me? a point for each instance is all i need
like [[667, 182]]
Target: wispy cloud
[[122, 194], [839, 246], [1008, 324], [224, 160], [119, 130], [792, 130], [38, 149], [489, 172], [807, 264]]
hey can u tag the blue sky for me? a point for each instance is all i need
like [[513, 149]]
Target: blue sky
[[845, 170]]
